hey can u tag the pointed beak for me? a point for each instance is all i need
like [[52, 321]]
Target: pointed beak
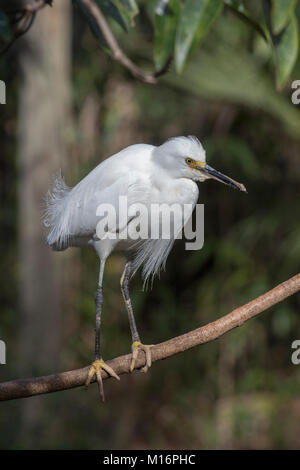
[[217, 175]]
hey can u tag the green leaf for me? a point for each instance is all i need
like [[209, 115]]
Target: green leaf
[[5, 32], [111, 10], [238, 8], [195, 20], [92, 24], [165, 26], [128, 9], [281, 12], [286, 51]]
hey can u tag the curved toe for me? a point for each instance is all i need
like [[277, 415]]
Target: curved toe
[[135, 348], [95, 369]]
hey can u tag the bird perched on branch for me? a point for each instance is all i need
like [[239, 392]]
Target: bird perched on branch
[[142, 174]]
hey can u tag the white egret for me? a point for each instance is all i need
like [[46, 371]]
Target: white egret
[[145, 174]]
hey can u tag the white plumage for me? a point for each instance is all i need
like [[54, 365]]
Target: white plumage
[[145, 174]]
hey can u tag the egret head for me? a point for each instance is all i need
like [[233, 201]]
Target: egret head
[[184, 157]]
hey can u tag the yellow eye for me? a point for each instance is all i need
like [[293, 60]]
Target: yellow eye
[[189, 161]]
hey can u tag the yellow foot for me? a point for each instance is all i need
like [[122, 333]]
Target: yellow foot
[[136, 346], [95, 369]]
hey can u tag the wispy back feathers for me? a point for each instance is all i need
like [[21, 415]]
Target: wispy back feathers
[[56, 200]]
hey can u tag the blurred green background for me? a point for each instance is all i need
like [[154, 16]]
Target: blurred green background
[[70, 106]]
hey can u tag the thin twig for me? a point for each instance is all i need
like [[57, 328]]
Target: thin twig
[[76, 378], [37, 5], [24, 20], [116, 51]]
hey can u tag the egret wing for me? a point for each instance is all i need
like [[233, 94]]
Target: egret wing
[[84, 206]]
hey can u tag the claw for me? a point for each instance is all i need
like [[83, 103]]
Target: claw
[[95, 369], [136, 346]]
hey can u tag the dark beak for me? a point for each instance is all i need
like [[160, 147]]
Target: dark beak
[[216, 175]]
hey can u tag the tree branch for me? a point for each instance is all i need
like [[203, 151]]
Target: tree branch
[[76, 378], [26, 16], [117, 53]]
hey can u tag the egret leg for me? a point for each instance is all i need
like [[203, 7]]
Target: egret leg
[[136, 342], [98, 363]]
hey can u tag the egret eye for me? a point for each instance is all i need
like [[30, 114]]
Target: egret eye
[[189, 161]]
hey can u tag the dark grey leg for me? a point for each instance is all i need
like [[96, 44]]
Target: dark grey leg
[[98, 363], [136, 342], [98, 302], [125, 291]]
